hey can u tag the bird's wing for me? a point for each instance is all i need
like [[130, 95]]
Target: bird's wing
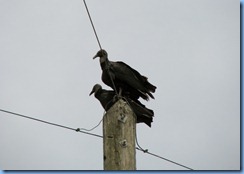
[[135, 73], [142, 79], [140, 108], [128, 75], [106, 98]]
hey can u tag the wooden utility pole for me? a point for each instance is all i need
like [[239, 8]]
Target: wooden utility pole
[[119, 130]]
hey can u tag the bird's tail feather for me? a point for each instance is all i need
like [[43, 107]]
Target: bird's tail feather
[[150, 95], [144, 96], [148, 85]]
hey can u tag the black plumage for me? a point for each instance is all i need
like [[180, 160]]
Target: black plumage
[[108, 97], [125, 78]]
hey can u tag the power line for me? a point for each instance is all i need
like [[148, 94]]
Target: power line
[[87, 10], [54, 124], [92, 25], [96, 135], [146, 151]]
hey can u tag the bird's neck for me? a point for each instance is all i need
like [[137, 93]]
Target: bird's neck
[[98, 94], [104, 62]]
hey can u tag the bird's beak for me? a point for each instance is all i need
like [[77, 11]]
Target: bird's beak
[[92, 92], [95, 56]]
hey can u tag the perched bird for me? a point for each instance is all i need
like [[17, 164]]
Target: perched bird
[[108, 97], [124, 79]]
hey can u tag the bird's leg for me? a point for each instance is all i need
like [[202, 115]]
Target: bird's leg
[[118, 96], [115, 98], [120, 92]]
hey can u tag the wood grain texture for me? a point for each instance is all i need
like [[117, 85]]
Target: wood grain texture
[[119, 138]]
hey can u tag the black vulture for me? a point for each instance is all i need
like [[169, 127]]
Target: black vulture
[[108, 97], [126, 80]]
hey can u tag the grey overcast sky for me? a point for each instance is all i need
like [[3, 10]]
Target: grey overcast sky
[[190, 49]]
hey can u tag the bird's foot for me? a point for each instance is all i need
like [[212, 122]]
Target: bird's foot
[[117, 97]]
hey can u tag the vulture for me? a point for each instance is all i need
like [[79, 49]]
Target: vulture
[[124, 79], [108, 97]]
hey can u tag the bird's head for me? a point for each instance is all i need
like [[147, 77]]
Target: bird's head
[[95, 88], [101, 53]]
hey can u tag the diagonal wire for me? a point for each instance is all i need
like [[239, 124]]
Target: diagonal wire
[[54, 124], [93, 27], [146, 151], [96, 135], [92, 24]]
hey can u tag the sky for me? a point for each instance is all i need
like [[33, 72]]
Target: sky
[[189, 49]]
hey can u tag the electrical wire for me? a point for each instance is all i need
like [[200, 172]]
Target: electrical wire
[[163, 158], [95, 32], [96, 135], [54, 124], [92, 24], [94, 126]]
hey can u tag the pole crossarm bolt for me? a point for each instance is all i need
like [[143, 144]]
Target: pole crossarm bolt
[[122, 118], [123, 143]]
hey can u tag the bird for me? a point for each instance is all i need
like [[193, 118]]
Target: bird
[[108, 97], [123, 78]]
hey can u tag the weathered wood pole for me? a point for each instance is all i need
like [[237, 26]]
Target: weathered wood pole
[[119, 130]]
